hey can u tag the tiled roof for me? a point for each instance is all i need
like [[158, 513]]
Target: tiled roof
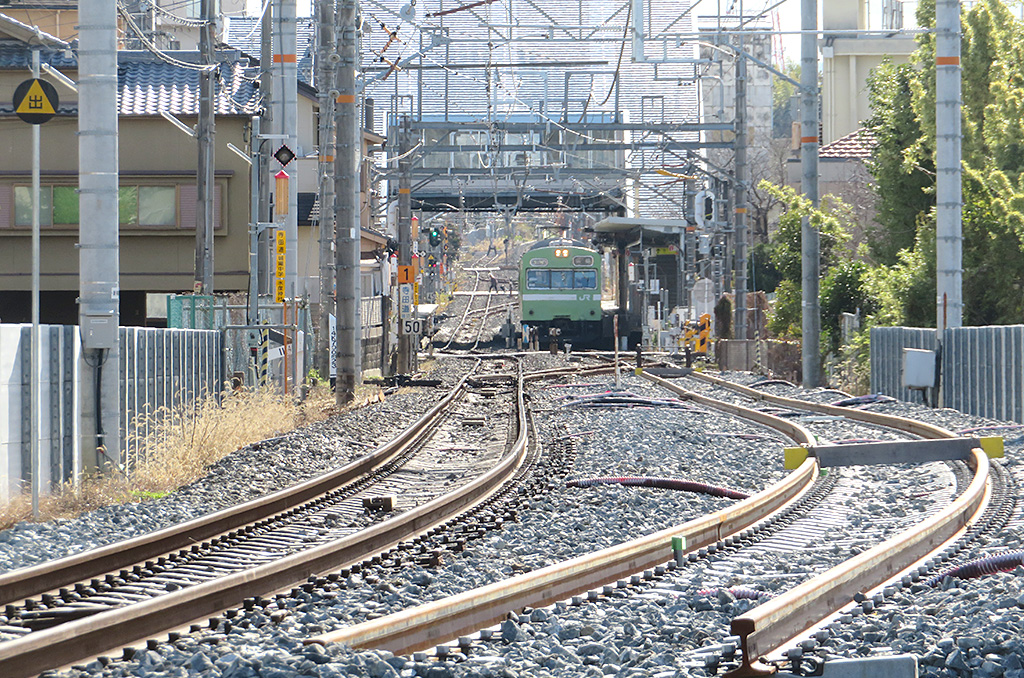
[[856, 145], [148, 85]]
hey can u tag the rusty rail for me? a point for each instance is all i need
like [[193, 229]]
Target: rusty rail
[[30, 581], [62, 645], [424, 626], [763, 629], [770, 625]]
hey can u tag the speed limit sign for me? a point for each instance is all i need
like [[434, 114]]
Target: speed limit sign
[[412, 326]]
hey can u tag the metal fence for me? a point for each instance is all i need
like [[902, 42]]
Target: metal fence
[[58, 426], [164, 371], [981, 373], [160, 370], [887, 344]]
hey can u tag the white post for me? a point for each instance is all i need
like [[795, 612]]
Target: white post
[[99, 268], [37, 476], [948, 236]]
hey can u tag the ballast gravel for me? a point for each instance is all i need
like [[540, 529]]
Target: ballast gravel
[[251, 472], [670, 626]]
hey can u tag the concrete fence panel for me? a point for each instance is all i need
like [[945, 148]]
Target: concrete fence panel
[[159, 368]]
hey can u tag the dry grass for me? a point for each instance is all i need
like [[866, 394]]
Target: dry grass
[[177, 446]]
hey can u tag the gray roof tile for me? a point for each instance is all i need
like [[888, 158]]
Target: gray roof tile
[[147, 85]]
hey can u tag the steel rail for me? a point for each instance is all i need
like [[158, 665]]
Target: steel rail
[[465, 314], [424, 626], [23, 583], [62, 645], [767, 627], [919, 428]]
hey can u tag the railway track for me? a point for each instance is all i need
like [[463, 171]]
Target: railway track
[[766, 628], [57, 615], [468, 332]]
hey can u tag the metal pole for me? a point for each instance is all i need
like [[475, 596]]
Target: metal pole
[[741, 189], [99, 269], [948, 236], [37, 479], [285, 56], [204, 174], [253, 315], [810, 257], [267, 78], [346, 183], [405, 341], [327, 64]]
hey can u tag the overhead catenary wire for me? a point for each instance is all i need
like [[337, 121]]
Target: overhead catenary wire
[[150, 47]]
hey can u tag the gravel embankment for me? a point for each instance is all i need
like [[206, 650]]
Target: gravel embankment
[[964, 628], [253, 471]]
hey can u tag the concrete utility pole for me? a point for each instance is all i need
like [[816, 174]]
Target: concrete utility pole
[[327, 64], [265, 149], [286, 117], [810, 257], [99, 272], [741, 189], [949, 213], [405, 341], [346, 184], [204, 174]]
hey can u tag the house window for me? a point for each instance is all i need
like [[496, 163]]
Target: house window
[[148, 206], [58, 206], [23, 205], [137, 206]]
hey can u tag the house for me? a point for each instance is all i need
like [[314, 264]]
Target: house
[[157, 178], [849, 50], [842, 172]]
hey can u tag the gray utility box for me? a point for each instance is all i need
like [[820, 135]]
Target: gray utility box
[[918, 368], [99, 330]]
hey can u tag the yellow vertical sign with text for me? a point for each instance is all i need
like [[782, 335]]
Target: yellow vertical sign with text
[[279, 268]]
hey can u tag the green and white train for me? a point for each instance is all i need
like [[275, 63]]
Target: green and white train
[[560, 287]]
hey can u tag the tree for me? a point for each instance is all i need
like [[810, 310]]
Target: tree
[[903, 181], [903, 120], [833, 219], [843, 290]]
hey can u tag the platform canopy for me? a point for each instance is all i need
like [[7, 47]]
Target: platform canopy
[[631, 229]]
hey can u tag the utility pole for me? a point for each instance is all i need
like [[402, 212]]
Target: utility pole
[[810, 258], [948, 189], [99, 272], [264, 149], [740, 71], [346, 182], [286, 117], [327, 64], [204, 173], [405, 341]]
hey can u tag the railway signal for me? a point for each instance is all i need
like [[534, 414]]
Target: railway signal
[[435, 236]]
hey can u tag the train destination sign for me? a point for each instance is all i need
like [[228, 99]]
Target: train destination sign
[[35, 101]]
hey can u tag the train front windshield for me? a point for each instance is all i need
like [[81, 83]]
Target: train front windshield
[[545, 279]]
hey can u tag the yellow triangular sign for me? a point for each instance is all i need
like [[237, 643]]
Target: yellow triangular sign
[[35, 101]]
